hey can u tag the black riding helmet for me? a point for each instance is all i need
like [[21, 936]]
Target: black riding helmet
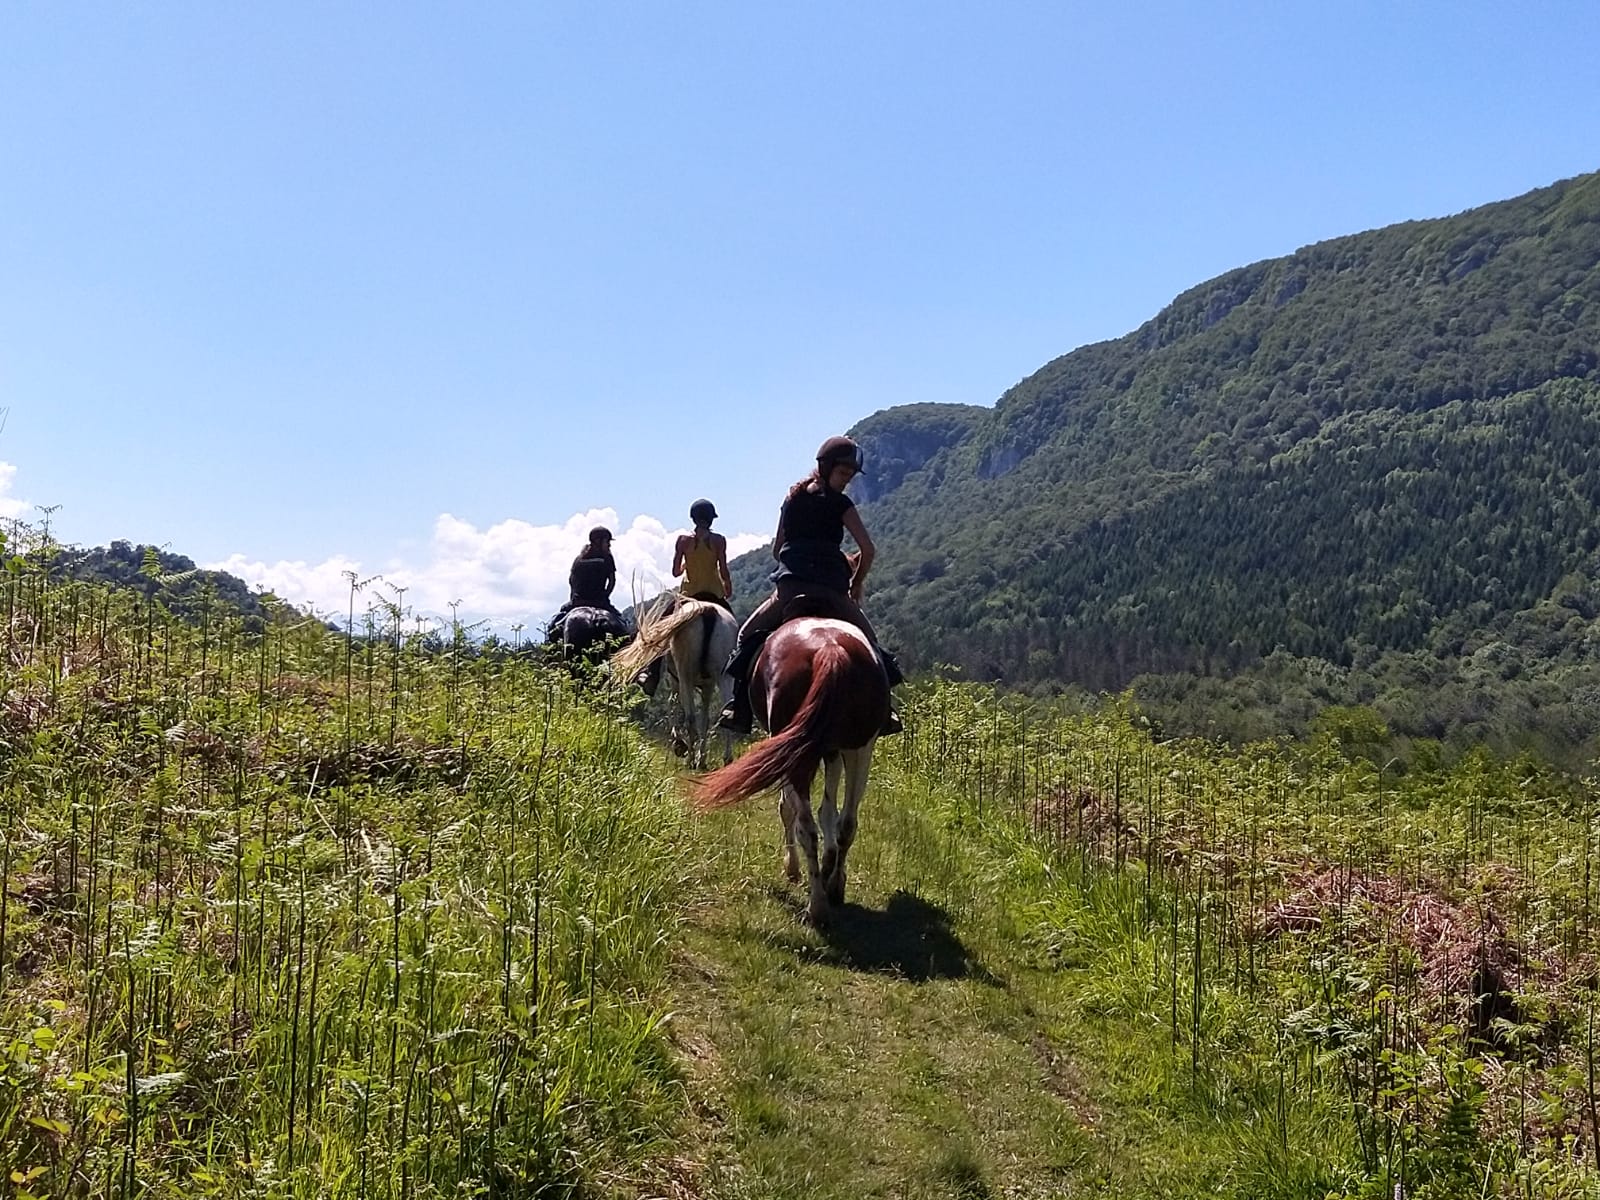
[[702, 510], [837, 450]]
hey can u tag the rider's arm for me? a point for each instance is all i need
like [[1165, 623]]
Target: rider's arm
[[852, 522], [678, 552], [721, 543], [777, 538]]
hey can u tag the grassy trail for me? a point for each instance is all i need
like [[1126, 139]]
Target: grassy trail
[[914, 1049]]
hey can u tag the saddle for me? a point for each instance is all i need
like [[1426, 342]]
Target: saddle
[[816, 604]]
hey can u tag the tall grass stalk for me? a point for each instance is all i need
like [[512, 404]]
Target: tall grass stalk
[[215, 989]]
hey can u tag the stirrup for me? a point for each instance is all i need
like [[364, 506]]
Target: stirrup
[[732, 720]]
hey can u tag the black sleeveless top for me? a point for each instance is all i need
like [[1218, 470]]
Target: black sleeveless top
[[813, 539], [588, 581]]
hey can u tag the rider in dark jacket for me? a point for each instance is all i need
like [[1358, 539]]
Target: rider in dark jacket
[[812, 566], [591, 580]]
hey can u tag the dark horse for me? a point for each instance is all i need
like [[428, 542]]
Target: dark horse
[[587, 635], [821, 690]]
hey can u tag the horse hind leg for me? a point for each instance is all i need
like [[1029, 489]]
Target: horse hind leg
[[791, 843], [805, 829], [700, 717], [724, 690], [687, 735], [827, 884], [833, 842], [857, 764]]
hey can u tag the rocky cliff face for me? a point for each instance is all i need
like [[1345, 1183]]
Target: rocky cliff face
[[900, 441]]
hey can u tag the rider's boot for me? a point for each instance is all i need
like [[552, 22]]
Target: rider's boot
[[649, 678], [737, 717], [891, 670]]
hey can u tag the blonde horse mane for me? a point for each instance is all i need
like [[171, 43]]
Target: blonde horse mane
[[656, 627]]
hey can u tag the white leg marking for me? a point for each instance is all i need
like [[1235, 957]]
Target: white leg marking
[[857, 766]]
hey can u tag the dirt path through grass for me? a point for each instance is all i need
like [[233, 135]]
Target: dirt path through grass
[[910, 1050]]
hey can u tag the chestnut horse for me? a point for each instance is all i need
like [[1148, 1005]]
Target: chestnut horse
[[820, 689]]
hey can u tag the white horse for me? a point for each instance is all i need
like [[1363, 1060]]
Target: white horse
[[697, 638]]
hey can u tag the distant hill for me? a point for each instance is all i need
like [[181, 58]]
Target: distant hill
[[1378, 445], [172, 579]]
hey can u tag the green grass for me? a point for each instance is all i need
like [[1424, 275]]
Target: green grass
[[913, 1049], [1005, 1011], [267, 933], [291, 915]]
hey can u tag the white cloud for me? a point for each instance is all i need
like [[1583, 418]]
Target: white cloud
[[10, 506], [509, 573]]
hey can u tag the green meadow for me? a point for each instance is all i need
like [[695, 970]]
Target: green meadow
[[291, 912]]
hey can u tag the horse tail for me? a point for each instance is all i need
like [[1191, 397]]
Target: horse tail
[[654, 638], [794, 753]]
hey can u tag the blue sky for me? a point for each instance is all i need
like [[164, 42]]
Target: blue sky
[[426, 290]]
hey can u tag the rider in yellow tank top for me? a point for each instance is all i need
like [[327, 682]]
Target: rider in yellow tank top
[[702, 565], [701, 558]]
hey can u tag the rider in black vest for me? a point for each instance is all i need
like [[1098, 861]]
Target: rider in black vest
[[813, 571], [591, 580]]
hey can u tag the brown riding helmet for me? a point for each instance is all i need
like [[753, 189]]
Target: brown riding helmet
[[837, 450]]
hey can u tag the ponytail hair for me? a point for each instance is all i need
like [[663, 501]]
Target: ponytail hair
[[803, 484]]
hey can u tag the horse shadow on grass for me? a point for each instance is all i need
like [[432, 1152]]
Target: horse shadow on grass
[[910, 937]]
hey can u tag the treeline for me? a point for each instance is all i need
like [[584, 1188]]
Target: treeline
[[186, 590], [1384, 532], [1335, 453]]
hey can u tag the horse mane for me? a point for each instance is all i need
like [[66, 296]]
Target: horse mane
[[797, 751], [656, 628]]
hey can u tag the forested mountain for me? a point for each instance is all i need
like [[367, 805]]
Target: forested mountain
[[1382, 444], [173, 579]]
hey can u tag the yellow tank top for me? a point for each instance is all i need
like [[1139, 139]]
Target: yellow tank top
[[700, 570]]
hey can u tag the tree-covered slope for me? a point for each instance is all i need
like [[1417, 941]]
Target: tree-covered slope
[[173, 579], [1335, 452]]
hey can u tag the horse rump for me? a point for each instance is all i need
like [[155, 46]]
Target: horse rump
[[844, 703], [657, 627], [587, 633]]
